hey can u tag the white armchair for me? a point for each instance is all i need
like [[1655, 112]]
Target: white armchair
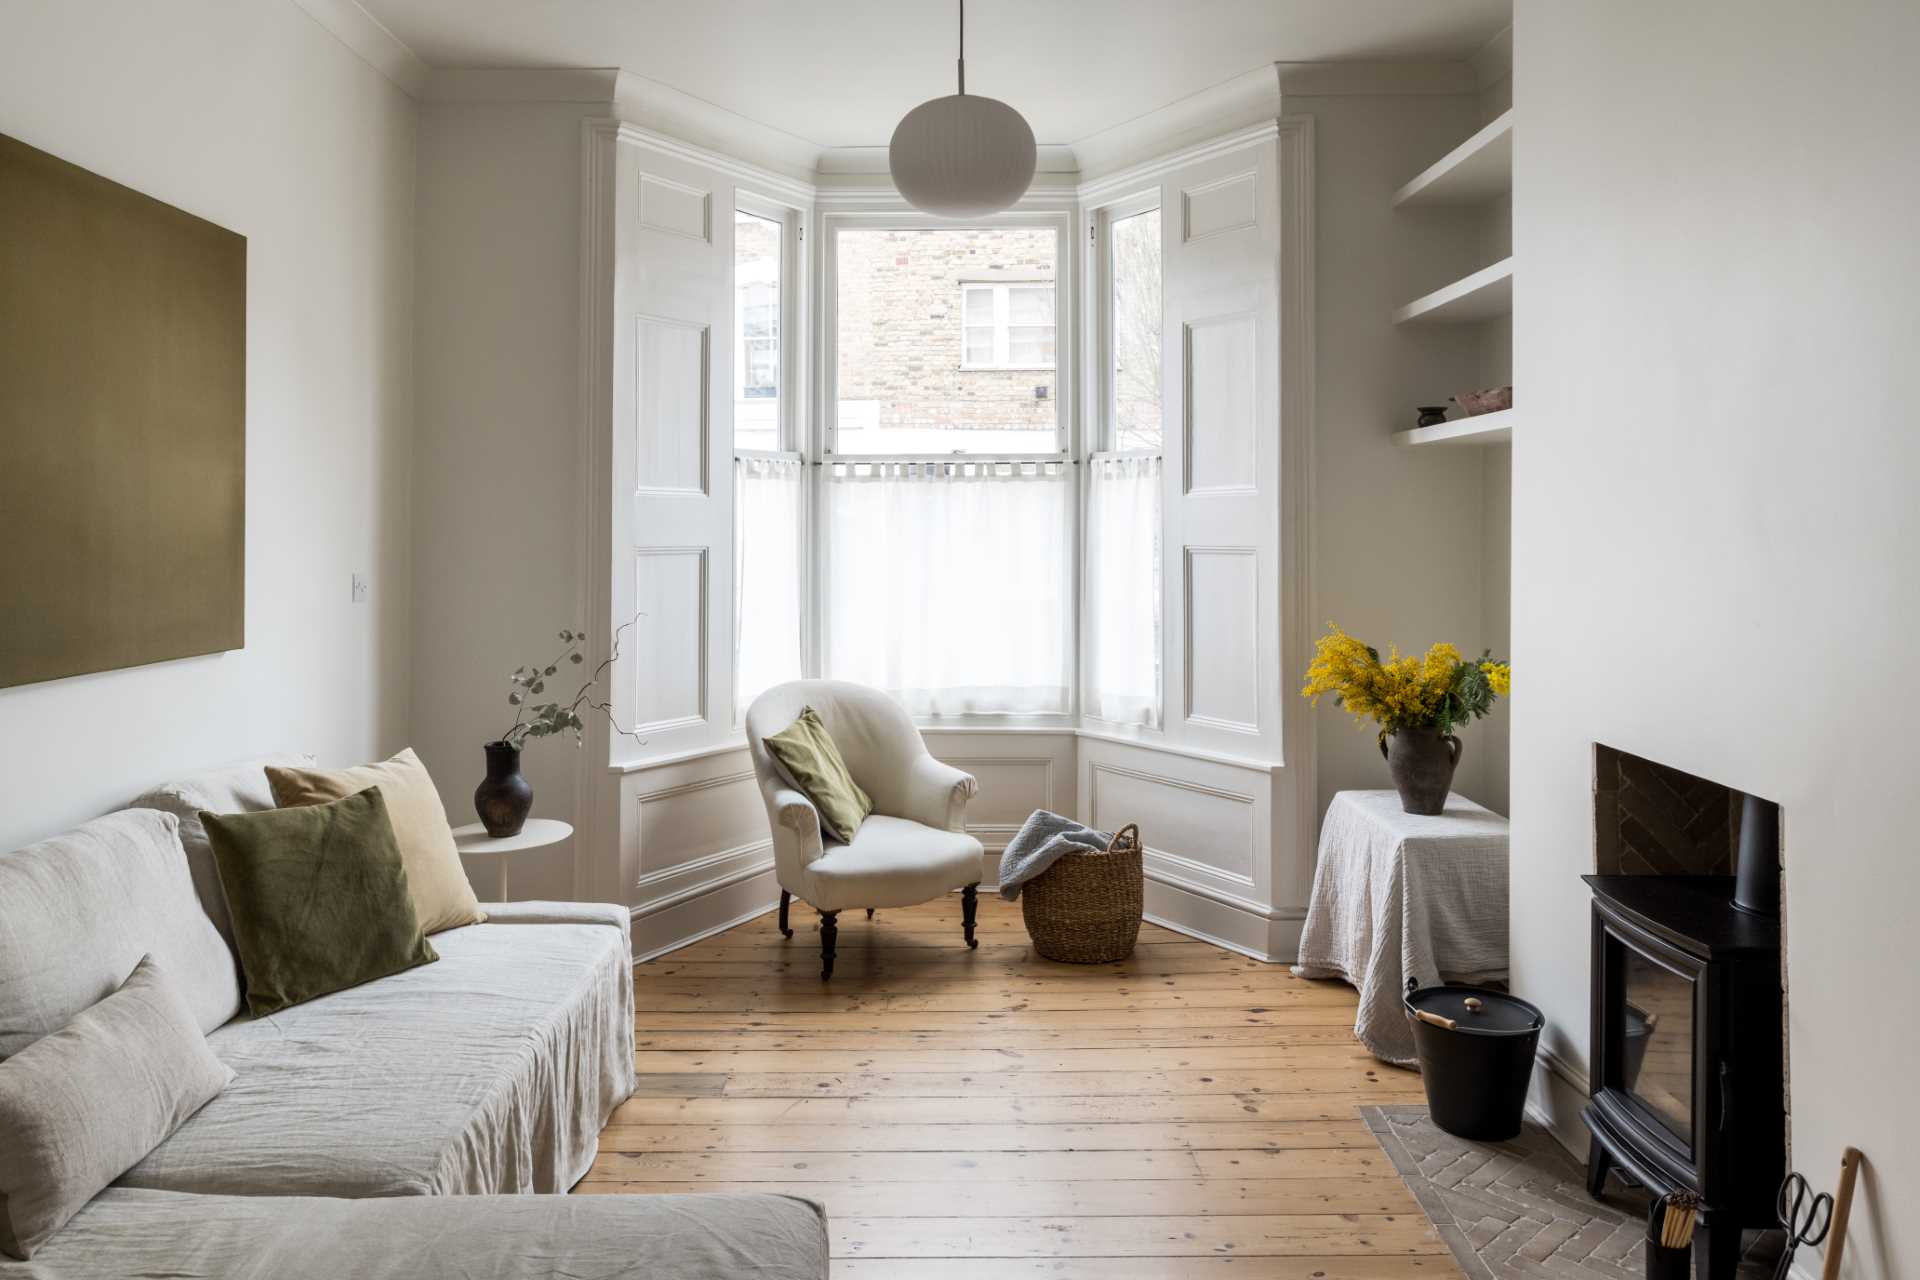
[[913, 847]]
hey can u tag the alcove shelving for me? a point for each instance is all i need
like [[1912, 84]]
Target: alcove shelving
[[1477, 174]]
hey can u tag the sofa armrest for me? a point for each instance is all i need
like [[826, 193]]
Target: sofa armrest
[[937, 794], [534, 912]]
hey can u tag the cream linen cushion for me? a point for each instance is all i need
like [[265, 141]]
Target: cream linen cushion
[[79, 910], [81, 1106], [442, 898]]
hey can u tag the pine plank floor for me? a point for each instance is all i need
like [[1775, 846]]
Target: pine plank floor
[[1187, 1112]]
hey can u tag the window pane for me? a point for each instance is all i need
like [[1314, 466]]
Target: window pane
[[947, 583], [769, 575], [1030, 306], [756, 348], [917, 311], [1135, 267], [1030, 345]]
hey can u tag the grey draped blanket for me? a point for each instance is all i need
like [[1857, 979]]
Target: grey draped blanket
[[1042, 839]]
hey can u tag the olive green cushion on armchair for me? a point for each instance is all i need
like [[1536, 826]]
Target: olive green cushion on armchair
[[318, 896], [806, 751]]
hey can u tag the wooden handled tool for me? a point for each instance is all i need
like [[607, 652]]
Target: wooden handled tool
[[1842, 1206]]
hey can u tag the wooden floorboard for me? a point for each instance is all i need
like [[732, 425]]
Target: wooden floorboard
[[1186, 1112]]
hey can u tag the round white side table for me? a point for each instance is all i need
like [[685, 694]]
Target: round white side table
[[539, 833]]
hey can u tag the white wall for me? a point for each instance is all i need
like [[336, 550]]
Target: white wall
[[246, 113], [1398, 533], [1715, 531], [498, 487]]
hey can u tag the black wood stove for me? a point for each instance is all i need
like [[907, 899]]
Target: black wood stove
[[1687, 1073]]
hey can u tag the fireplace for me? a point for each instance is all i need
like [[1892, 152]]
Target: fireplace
[[1686, 1060]]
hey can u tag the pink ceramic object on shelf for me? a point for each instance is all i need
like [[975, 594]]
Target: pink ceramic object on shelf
[[1491, 400]]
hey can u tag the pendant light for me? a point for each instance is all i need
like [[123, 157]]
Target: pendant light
[[963, 155]]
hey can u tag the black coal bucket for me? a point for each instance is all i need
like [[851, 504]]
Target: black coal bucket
[[1476, 1056]]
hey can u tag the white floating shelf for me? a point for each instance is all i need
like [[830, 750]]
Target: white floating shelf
[[1478, 170], [1481, 429], [1483, 295]]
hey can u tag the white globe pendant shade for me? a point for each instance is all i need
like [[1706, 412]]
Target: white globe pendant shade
[[962, 156]]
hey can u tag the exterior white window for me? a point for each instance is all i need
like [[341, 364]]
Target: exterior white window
[[1007, 326]]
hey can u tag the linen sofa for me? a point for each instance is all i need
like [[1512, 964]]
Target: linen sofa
[[393, 1128]]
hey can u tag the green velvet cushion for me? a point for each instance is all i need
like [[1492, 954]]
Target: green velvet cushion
[[319, 898], [809, 756]]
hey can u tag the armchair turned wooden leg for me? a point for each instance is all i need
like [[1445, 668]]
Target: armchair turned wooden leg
[[829, 931], [785, 897], [969, 904]]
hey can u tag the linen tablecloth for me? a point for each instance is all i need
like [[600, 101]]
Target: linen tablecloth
[[1398, 895]]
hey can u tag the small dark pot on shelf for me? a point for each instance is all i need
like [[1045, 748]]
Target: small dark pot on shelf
[[504, 798], [1431, 415], [1422, 763]]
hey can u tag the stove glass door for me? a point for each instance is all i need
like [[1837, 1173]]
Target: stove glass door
[[1658, 1043]]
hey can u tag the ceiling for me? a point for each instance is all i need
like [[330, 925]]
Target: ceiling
[[842, 72]]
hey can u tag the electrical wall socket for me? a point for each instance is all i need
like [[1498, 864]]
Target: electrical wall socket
[[359, 588]]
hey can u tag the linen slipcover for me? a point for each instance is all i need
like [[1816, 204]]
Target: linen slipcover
[[490, 1071], [125, 1234]]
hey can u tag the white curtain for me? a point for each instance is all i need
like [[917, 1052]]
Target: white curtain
[[947, 584], [769, 575], [1123, 589]]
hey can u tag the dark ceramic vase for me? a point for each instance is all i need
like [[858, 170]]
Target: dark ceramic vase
[[504, 798], [1422, 763]]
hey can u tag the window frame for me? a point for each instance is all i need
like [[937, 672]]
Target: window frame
[[1003, 326], [1104, 432], [789, 315], [827, 346]]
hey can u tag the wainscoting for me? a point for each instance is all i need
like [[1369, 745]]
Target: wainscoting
[[696, 858]]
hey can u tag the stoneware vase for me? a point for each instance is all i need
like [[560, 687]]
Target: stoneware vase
[[504, 798], [1422, 763]]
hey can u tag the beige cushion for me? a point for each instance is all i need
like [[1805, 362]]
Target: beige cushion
[[237, 788], [892, 862], [79, 910], [80, 1106], [442, 898]]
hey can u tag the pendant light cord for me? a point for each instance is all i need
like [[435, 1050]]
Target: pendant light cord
[[963, 48]]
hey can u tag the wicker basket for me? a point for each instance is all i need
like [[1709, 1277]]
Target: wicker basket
[[1085, 908]]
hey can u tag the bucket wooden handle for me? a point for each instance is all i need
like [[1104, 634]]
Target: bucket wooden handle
[[1434, 1019], [1122, 841]]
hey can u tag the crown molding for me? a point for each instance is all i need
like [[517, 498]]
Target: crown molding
[[592, 85], [1230, 105], [1127, 181], [371, 42], [1492, 62], [662, 109], [1347, 79]]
